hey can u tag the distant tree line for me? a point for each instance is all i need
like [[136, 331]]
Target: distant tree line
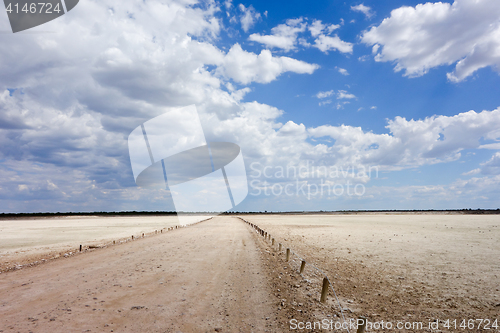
[[167, 213]]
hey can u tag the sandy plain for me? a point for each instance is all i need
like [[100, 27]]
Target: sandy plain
[[203, 278], [221, 275], [417, 267], [25, 241]]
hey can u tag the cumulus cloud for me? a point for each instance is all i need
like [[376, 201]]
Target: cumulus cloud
[[490, 167], [363, 9], [324, 94], [342, 94], [325, 102], [248, 17], [412, 142], [245, 67], [72, 102], [317, 28], [326, 43], [465, 33], [472, 193], [284, 36], [343, 71]]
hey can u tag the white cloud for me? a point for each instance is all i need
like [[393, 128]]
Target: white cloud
[[326, 43], [324, 94], [490, 146], [245, 67], [249, 17], [317, 28], [64, 129], [343, 71], [472, 193], [465, 33], [286, 36], [342, 94], [472, 172], [283, 36], [412, 142], [340, 105], [363, 9], [492, 166]]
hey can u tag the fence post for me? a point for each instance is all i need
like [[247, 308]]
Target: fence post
[[272, 242], [80, 247], [279, 247], [302, 266], [361, 328], [324, 290], [287, 254]]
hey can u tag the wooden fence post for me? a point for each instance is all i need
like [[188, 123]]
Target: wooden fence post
[[302, 266], [324, 290], [361, 328], [287, 254]]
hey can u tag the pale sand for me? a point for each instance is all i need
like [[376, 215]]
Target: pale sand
[[209, 277], [27, 240], [387, 267], [395, 265]]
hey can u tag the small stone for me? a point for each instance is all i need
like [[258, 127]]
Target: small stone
[[137, 307]]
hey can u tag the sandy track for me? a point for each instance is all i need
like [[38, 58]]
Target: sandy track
[[205, 278]]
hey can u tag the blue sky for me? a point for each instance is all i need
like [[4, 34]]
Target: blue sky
[[406, 87]]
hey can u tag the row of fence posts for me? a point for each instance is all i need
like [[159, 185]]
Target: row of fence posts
[[156, 232], [324, 289]]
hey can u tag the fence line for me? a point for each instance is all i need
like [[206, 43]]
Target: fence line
[[144, 235], [289, 251]]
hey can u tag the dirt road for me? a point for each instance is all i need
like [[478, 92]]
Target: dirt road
[[204, 278]]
